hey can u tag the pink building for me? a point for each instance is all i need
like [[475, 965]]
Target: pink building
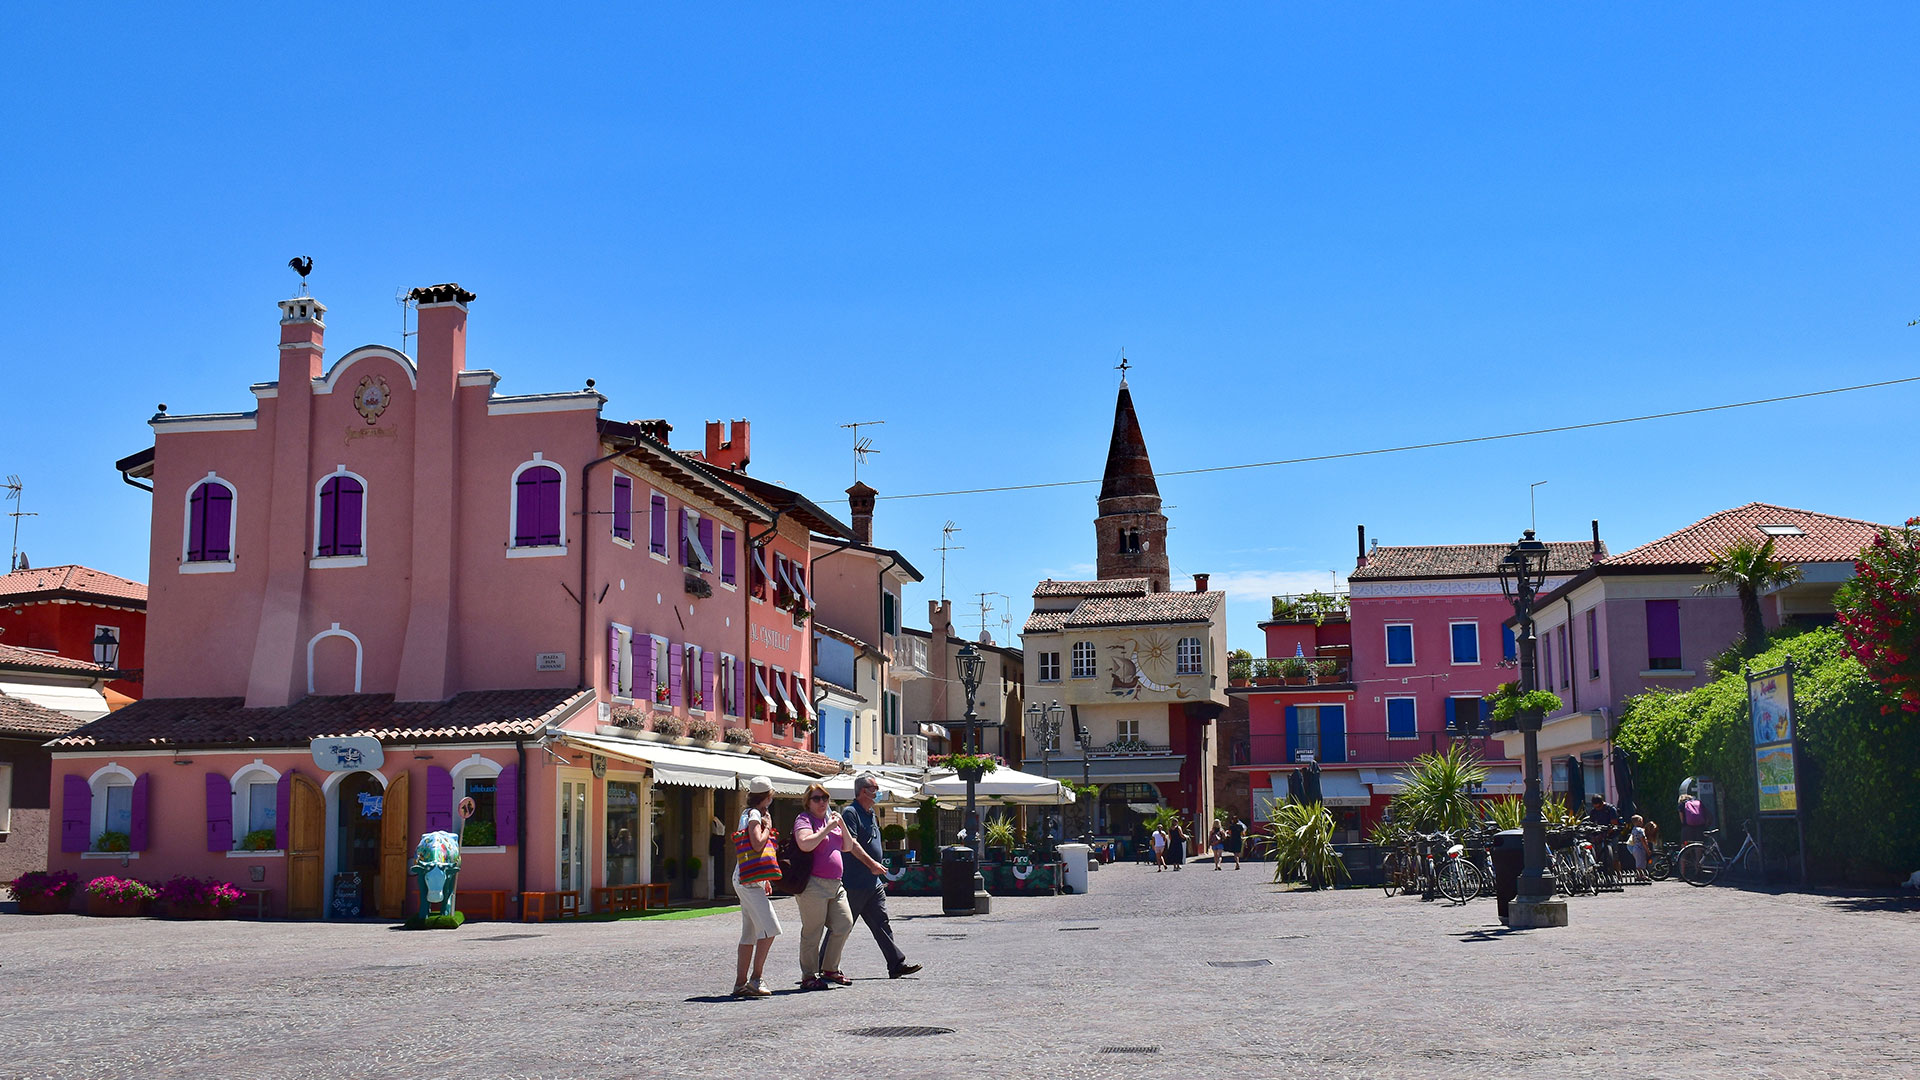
[[502, 599]]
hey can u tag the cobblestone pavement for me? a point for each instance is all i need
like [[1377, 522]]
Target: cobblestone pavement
[[1660, 981]]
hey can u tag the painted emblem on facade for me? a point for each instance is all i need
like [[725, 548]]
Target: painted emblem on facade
[[370, 398], [1129, 672]]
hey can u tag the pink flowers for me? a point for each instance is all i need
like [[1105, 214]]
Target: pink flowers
[[38, 883], [198, 892], [1877, 612], [119, 890]]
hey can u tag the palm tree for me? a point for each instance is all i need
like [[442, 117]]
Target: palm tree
[[1748, 569]]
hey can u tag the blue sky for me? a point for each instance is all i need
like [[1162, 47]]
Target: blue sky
[[1310, 232]]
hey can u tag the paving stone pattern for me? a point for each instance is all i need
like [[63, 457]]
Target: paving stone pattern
[[1661, 981]]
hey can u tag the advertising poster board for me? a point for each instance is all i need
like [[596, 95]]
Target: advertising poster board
[[1770, 701]]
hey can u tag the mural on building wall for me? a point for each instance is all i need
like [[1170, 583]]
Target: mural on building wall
[[1129, 674]]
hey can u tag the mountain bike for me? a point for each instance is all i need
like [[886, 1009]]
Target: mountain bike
[[1702, 863]]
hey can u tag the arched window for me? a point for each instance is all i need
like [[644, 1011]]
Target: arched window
[[1187, 656], [342, 517], [210, 521], [539, 489]]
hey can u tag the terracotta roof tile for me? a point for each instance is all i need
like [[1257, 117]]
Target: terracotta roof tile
[[13, 656], [1045, 622], [18, 716], [1166, 607], [74, 581], [1465, 560], [1133, 586], [1824, 538], [801, 761], [198, 722]]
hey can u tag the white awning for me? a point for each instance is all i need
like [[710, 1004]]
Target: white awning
[[891, 790], [691, 767], [1002, 785], [938, 731], [83, 703], [760, 685], [786, 701], [806, 697], [1501, 780], [1342, 787]]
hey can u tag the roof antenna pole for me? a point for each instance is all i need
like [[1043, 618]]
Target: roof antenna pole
[[405, 299], [1533, 516], [946, 545], [861, 447], [14, 488]]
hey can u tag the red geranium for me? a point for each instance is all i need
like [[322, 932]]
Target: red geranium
[[1879, 614]]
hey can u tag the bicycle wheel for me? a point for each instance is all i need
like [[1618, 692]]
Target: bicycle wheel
[[1459, 881], [1390, 873], [1700, 864], [1660, 866]]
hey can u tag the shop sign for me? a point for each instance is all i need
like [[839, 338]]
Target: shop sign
[[348, 753]]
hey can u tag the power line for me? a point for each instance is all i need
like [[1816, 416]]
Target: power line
[[1425, 445]]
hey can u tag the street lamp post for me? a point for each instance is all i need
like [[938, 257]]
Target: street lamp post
[[1045, 722], [1522, 573], [1085, 738], [972, 666]]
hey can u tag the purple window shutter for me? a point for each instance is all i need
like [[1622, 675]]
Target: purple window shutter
[[329, 517], [137, 831], [729, 563], [676, 693], [644, 680], [550, 532], [613, 661], [506, 807], [657, 524], [538, 496], [1663, 629], [526, 494], [706, 537], [219, 813], [684, 559], [623, 507], [347, 539], [282, 801], [76, 814], [196, 525], [439, 799], [219, 506], [706, 682]]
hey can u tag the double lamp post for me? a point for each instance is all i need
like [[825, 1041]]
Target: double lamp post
[[1523, 572]]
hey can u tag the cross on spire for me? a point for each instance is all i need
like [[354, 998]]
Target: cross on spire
[[1122, 367]]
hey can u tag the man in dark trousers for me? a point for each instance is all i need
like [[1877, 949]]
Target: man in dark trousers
[[867, 894]]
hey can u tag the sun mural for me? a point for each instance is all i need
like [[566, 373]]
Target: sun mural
[[1135, 657]]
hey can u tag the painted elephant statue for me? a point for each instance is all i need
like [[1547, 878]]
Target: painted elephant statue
[[436, 862]]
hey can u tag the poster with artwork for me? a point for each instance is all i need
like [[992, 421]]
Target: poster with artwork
[[1770, 706]]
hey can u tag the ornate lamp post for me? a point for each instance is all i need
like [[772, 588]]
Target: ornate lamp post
[[1044, 722], [972, 667], [1522, 573]]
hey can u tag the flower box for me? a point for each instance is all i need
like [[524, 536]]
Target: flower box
[[103, 908], [46, 904]]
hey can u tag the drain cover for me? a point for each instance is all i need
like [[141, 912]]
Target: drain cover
[[1129, 1050], [509, 937], [898, 1032], [1066, 928], [1239, 963]]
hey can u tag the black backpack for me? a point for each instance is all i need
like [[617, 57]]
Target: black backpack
[[796, 866]]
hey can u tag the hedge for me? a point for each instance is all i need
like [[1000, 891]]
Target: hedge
[[1859, 770]]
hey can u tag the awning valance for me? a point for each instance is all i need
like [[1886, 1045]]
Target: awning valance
[[760, 687], [691, 767], [780, 689]]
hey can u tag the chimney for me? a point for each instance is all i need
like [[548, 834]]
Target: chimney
[[442, 347], [302, 343], [1361, 562], [730, 453], [1200, 582], [860, 501], [1598, 551], [657, 430]]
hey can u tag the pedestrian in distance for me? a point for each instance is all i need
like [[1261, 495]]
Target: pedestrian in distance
[[754, 871], [865, 885], [825, 918], [1159, 849], [1236, 840], [1177, 846], [1637, 843], [1217, 842]]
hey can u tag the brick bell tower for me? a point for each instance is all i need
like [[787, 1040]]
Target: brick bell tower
[[1130, 530]]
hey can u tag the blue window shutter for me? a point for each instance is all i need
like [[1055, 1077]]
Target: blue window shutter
[[1293, 731], [1509, 648], [1399, 644], [1452, 724], [1333, 732]]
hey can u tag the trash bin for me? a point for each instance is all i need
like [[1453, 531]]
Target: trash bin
[[1075, 856], [957, 868], [1509, 858]]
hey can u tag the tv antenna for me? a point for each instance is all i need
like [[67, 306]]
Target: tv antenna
[[404, 297], [14, 487], [987, 608], [946, 545], [1533, 515], [862, 444]]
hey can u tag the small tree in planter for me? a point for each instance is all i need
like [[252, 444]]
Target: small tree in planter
[[927, 825], [1294, 670], [893, 835], [1001, 837], [1239, 667], [1266, 672], [44, 892]]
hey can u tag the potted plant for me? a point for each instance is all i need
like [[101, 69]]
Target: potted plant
[[112, 840], [1000, 836], [692, 867], [662, 694], [188, 897], [893, 835], [669, 726], [117, 896], [926, 824], [478, 834], [739, 736], [1239, 667], [1325, 671], [1294, 671], [1266, 673], [43, 892], [625, 717], [703, 729]]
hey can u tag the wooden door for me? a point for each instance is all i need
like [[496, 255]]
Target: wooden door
[[394, 850], [306, 843]]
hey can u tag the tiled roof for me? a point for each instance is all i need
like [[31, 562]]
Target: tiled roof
[[201, 722], [18, 716], [1166, 607], [13, 656], [801, 761], [1827, 538], [73, 581], [1466, 560], [1043, 622], [1132, 586]]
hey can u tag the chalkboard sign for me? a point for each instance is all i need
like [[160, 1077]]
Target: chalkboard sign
[[346, 896]]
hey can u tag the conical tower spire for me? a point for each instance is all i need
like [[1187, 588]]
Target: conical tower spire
[[1130, 530]]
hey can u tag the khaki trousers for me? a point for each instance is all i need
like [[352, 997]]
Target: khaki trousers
[[823, 911]]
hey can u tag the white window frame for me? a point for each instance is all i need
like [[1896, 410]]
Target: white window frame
[[1044, 664], [538, 551], [478, 767], [315, 560], [188, 566], [1386, 642], [107, 776], [690, 677], [613, 522], [1093, 660], [666, 524], [729, 693], [1456, 661], [1126, 729], [625, 634], [662, 674], [1199, 665], [256, 771], [1387, 712], [1304, 733], [359, 653]]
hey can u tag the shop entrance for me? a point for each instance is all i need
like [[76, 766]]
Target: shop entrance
[[623, 833], [360, 809], [673, 839], [306, 848]]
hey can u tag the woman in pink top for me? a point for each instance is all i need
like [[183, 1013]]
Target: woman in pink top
[[823, 903]]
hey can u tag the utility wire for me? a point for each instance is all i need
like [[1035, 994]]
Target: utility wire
[[1424, 445]]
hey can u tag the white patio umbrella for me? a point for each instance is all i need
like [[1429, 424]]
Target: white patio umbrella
[[892, 790], [1003, 785]]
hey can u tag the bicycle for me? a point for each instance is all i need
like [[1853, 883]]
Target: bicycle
[[1702, 863], [1457, 878], [1661, 864]]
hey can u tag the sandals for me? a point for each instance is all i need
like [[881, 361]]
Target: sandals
[[835, 978], [813, 984], [751, 990]]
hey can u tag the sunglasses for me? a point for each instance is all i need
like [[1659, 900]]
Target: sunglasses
[[817, 798]]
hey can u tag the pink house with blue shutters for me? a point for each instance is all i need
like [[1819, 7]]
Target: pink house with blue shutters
[[389, 599]]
